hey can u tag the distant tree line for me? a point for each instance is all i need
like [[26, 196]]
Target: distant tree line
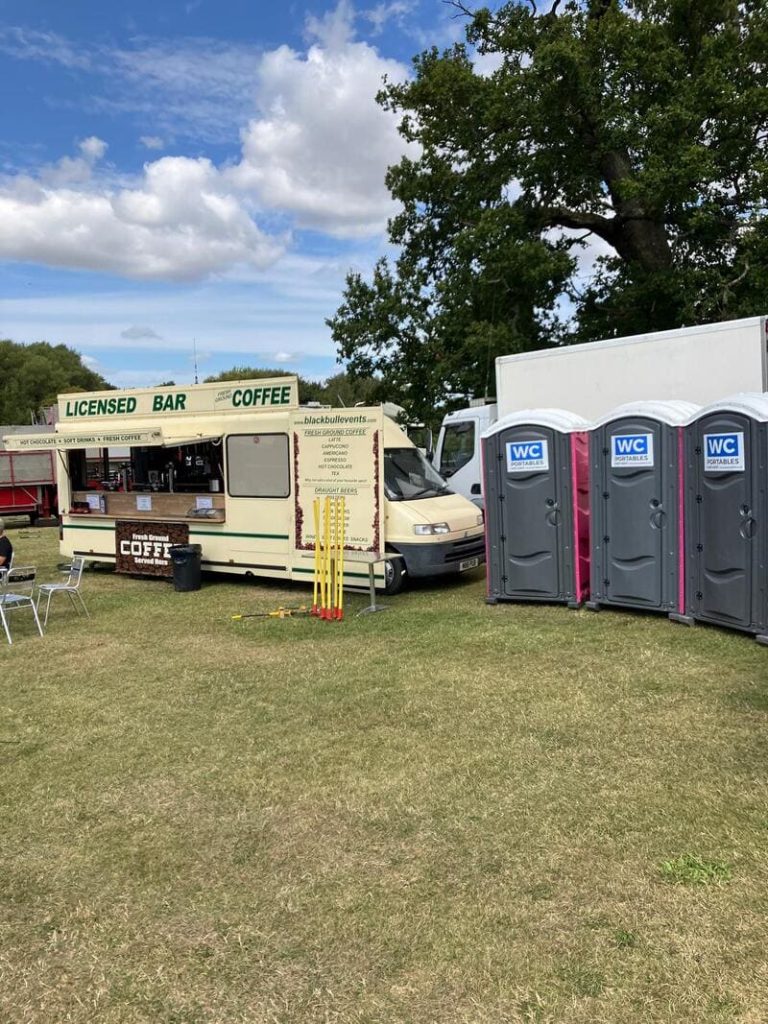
[[34, 375]]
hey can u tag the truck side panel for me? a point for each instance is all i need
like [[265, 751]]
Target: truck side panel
[[697, 364]]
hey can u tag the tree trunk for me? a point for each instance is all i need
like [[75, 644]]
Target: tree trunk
[[637, 236]]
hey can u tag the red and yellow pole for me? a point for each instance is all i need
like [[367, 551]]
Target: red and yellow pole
[[316, 579], [326, 609], [340, 532]]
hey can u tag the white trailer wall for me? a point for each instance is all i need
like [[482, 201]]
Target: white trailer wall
[[695, 364]]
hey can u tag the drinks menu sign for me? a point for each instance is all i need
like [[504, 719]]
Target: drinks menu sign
[[338, 453]]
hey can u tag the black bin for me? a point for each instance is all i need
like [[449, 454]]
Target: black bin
[[186, 566]]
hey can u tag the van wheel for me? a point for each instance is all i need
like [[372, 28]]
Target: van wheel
[[395, 576]]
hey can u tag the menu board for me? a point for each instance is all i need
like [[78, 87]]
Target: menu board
[[338, 453]]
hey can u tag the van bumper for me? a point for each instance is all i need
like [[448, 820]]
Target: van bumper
[[442, 558]]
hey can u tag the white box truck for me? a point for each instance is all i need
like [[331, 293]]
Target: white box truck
[[236, 467], [695, 364]]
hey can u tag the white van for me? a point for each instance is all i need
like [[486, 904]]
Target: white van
[[236, 467]]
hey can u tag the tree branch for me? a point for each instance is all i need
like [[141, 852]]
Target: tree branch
[[461, 9], [561, 216]]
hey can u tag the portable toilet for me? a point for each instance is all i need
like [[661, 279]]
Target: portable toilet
[[637, 454], [536, 487], [727, 514]]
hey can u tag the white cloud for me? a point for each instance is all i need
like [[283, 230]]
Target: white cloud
[[48, 47], [314, 157], [284, 357], [152, 141], [180, 222], [137, 333], [487, 64], [93, 149], [74, 170], [379, 15], [321, 147]]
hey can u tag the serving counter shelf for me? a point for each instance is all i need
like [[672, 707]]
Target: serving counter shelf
[[165, 507], [149, 517]]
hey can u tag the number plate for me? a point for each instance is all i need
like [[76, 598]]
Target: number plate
[[469, 563]]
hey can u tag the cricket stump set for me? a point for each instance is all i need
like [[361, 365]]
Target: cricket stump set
[[328, 588]]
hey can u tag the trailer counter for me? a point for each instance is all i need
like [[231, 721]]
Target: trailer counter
[[151, 505]]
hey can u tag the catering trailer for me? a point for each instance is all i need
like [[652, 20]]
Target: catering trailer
[[27, 479], [236, 467]]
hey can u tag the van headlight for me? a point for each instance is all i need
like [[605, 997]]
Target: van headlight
[[481, 519], [427, 529]]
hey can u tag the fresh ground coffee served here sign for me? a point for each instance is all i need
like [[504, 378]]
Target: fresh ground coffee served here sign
[[144, 548]]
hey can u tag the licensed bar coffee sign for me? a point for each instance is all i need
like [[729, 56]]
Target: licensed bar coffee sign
[[144, 548]]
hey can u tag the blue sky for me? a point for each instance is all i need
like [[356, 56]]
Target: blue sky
[[196, 174]]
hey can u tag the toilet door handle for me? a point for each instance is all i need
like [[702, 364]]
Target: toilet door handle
[[747, 527], [553, 512]]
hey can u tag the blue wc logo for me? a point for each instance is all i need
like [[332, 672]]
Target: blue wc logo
[[632, 450], [724, 452], [527, 456]]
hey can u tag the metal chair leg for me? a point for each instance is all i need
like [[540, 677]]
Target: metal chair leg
[[37, 619], [5, 626], [47, 607]]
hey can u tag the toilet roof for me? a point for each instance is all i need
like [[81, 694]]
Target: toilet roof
[[750, 403], [671, 411], [556, 419]]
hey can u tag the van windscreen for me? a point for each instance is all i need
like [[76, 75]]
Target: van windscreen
[[408, 476]]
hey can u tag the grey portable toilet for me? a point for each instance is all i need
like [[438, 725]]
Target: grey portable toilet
[[535, 477], [637, 454], [727, 514]]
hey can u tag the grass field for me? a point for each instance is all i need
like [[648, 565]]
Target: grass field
[[447, 813]]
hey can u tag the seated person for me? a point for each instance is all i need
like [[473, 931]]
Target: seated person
[[6, 548]]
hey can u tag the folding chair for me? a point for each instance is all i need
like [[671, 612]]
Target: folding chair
[[17, 589], [71, 587]]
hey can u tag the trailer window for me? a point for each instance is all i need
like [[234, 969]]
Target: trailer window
[[258, 466], [458, 447]]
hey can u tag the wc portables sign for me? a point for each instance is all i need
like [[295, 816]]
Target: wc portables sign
[[724, 453], [632, 450], [527, 456]]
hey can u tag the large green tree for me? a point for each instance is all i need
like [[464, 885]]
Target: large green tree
[[33, 376], [607, 176]]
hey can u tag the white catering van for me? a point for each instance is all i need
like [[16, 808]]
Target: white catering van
[[236, 467]]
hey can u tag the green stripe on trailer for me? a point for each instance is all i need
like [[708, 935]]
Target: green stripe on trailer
[[203, 533]]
